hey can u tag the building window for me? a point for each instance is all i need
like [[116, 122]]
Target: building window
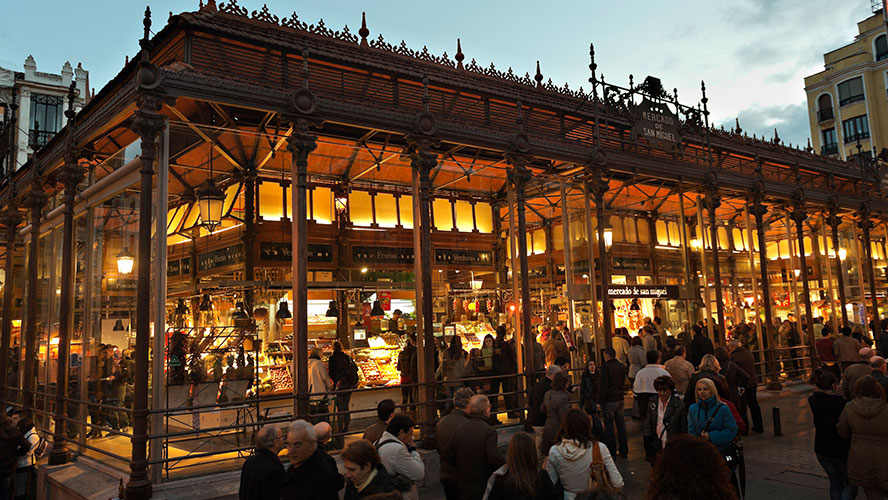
[[881, 48], [46, 118], [824, 108], [830, 145], [851, 91], [855, 128]]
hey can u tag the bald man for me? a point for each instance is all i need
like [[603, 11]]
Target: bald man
[[325, 433], [262, 475], [856, 371]]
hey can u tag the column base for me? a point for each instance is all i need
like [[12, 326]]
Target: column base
[[59, 455], [139, 489]]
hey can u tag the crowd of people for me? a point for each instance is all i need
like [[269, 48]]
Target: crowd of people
[[20, 447]]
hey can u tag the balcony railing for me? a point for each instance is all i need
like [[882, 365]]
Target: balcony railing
[[829, 149], [825, 114], [857, 136], [850, 99], [39, 138]]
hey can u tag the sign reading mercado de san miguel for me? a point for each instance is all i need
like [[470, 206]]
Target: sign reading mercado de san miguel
[[655, 122]]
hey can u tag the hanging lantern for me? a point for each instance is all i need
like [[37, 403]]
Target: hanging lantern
[[377, 309], [608, 236], [118, 326], [283, 311], [210, 200], [205, 304], [332, 311], [125, 261]]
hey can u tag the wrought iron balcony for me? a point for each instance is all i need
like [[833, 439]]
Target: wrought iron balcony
[[829, 149], [38, 138], [825, 114]]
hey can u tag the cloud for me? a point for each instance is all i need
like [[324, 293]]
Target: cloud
[[791, 122]]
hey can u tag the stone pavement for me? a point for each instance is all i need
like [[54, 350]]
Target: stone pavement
[[781, 467]]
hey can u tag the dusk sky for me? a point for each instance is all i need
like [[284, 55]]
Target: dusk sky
[[753, 54]]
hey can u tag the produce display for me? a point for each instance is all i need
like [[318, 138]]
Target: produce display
[[280, 378], [472, 334]]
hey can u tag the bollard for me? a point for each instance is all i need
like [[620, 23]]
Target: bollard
[[778, 431]]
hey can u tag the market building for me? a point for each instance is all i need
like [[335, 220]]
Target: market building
[[250, 189], [847, 101]]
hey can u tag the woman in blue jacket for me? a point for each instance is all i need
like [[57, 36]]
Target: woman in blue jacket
[[723, 428]]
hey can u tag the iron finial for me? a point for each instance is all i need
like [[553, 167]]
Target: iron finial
[[737, 129], [143, 43], [776, 137], [703, 99], [364, 32], [459, 55], [631, 82], [808, 148], [539, 76], [592, 65]]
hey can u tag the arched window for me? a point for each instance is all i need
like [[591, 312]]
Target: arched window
[[824, 108], [881, 47]]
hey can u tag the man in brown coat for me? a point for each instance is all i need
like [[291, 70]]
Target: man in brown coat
[[856, 371], [385, 410], [444, 432], [846, 348], [473, 451]]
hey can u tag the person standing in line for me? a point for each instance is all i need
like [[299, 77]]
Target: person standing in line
[[680, 370], [504, 365], [324, 432], [613, 380], [880, 369], [701, 345], [555, 403], [536, 417], [741, 355], [857, 370], [710, 418], [621, 347], [832, 451], [385, 410], [684, 336], [690, 467], [590, 395], [319, 383], [473, 451], [310, 474], [637, 357], [521, 478], [864, 421], [263, 474], [573, 454], [25, 466], [445, 430], [649, 338], [709, 368], [666, 418], [644, 382], [366, 477], [397, 453], [846, 349], [408, 366], [735, 376], [344, 375]]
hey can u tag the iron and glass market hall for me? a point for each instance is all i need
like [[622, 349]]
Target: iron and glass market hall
[[251, 189]]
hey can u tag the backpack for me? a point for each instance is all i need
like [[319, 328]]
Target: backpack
[[351, 375], [41, 448]]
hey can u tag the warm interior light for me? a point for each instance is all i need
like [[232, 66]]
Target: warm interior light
[[210, 200], [512, 307], [363, 270], [125, 261], [695, 244], [608, 236], [585, 276], [843, 254], [797, 272], [476, 285]]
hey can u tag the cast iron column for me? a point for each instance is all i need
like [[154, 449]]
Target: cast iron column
[[300, 144], [71, 175], [798, 216], [758, 211], [834, 221], [148, 123], [249, 236], [423, 161], [712, 201], [36, 202], [865, 225], [597, 185], [521, 176], [10, 219]]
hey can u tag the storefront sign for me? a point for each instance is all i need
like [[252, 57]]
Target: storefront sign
[[468, 257], [656, 123], [271, 251], [385, 300], [377, 255], [221, 258], [643, 291], [179, 267], [120, 284]]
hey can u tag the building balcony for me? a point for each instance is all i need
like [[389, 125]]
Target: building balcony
[[39, 138], [829, 149], [855, 137], [850, 99], [825, 114]]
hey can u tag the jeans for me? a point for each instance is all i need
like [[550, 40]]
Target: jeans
[[24, 476], [750, 398], [497, 387], [839, 487], [613, 415], [5, 486], [343, 420]]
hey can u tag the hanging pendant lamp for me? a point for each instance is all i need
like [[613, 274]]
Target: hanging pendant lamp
[[118, 326], [332, 311], [283, 311], [239, 311]]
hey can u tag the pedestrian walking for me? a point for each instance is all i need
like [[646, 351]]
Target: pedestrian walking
[[444, 432], [590, 395], [309, 475], [366, 476], [741, 355], [473, 451], [701, 345], [863, 422], [521, 478], [621, 347], [637, 358], [831, 450], [643, 388], [847, 349], [680, 369], [857, 370], [690, 468], [536, 416], [263, 474], [397, 453], [711, 418], [666, 418], [613, 380], [577, 448], [555, 403]]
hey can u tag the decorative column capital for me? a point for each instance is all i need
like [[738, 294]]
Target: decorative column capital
[[798, 213], [302, 144], [597, 185]]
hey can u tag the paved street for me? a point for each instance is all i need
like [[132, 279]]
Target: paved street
[[777, 467]]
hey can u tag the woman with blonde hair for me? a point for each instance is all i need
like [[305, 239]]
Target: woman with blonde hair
[[709, 368], [711, 419]]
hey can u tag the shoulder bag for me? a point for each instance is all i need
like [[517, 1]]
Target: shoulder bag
[[734, 451], [599, 479]]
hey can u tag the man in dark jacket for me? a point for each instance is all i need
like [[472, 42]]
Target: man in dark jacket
[[536, 417], [344, 375], [407, 365], [700, 346], [744, 359], [262, 475], [613, 385], [504, 363], [309, 475], [444, 432], [385, 409], [473, 451]]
